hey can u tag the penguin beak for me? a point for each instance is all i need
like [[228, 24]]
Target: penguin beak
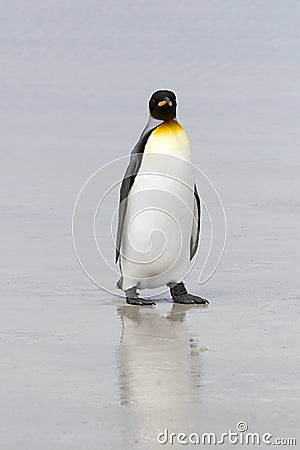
[[165, 101]]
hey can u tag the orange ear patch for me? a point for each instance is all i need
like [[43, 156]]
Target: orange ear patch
[[162, 103]]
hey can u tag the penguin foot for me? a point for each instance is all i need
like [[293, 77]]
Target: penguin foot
[[180, 295], [132, 298], [139, 301], [189, 299]]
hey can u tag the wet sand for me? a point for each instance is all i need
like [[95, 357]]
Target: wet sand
[[80, 368]]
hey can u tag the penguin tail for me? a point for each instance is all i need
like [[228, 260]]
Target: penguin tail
[[119, 283]]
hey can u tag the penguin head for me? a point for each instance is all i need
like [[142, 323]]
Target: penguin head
[[162, 105]]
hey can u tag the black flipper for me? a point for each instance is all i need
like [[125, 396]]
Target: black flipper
[[194, 242]]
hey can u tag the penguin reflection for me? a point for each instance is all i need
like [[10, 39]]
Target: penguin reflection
[[159, 373]]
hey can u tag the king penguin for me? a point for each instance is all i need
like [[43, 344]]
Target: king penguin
[[159, 208]]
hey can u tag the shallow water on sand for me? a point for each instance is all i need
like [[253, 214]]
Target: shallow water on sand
[[80, 368]]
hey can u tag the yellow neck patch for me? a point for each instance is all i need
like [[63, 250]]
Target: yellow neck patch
[[169, 138], [170, 126]]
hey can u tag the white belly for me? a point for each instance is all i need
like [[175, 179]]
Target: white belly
[[155, 246]]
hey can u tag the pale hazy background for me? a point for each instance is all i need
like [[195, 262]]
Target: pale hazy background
[[74, 84]]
